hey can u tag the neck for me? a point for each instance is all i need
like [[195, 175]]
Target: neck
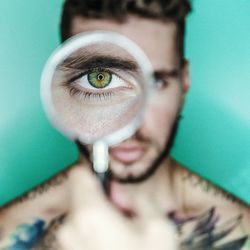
[[154, 195]]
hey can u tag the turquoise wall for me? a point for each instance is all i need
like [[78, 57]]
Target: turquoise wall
[[30, 150], [214, 137]]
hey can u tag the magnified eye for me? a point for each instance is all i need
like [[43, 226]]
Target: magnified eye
[[102, 84]]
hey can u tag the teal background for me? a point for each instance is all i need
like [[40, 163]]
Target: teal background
[[214, 137], [30, 150]]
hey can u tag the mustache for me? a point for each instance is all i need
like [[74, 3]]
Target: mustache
[[139, 137]]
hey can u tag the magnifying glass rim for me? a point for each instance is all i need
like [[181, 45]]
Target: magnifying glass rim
[[72, 45]]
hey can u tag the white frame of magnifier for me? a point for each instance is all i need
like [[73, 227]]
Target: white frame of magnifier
[[70, 46]]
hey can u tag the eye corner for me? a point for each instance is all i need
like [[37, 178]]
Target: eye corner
[[161, 84]]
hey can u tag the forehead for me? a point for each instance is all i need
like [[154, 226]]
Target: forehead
[[156, 38]]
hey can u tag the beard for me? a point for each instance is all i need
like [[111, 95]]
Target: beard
[[150, 170]]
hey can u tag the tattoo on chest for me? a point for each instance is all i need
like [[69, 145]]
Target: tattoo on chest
[[209, 234]]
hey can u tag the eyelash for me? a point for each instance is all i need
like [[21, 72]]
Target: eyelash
[[76, 77], [87, 95]]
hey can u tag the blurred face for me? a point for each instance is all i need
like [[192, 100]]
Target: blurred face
[[137, 157]]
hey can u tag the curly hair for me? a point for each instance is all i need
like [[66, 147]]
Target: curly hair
[[166, 10]]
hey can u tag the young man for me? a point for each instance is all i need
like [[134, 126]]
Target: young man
[[147, 188]]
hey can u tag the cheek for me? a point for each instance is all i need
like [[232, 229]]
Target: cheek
[[161, 116]]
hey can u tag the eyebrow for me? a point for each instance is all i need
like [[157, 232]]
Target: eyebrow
[[97, 61], [87, 61], [164, 74]]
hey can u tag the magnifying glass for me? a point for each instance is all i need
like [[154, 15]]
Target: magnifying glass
[[95, 90]]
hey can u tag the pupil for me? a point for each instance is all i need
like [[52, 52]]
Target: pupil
[[100, 77]]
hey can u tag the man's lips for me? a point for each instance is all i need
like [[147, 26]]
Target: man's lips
[[128, 153]]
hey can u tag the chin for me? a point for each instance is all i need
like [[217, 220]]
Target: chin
[[127, 173], [122, 171]]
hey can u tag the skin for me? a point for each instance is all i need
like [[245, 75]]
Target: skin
[[170, 192]]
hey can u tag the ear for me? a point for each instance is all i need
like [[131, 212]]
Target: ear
[[185, 77]]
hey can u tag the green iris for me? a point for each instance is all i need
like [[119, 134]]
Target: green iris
[[99, 79]]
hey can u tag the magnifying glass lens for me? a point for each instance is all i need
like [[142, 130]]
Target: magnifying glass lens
[[97, 90]]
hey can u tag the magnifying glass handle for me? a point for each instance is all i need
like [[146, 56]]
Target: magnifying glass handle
[[101, 162], [103, 178]]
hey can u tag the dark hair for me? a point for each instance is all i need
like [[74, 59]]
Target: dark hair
[[166, 10]]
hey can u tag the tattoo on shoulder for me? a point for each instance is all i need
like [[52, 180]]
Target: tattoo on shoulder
[[209, 234], [26, 235], [48, 241], [207, 187], [36, 236]]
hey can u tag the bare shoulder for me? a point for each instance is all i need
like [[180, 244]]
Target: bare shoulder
[[35, 211], [187, 181], [197, 195]]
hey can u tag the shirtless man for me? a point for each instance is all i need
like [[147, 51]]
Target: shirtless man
[[148, 188]]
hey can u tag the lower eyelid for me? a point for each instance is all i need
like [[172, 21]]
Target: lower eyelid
[[73, 91], [161, 83], [93, 91], [105, 97]]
